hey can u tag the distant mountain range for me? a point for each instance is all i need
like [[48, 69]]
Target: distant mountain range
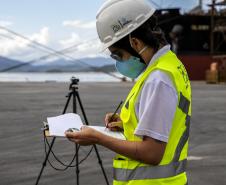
[[59, 65], [7, 63]]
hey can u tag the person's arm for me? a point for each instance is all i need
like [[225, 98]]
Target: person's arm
[[148, 151]]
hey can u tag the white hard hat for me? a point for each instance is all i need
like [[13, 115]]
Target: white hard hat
[[118, 18]]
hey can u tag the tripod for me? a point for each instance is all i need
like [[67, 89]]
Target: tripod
[[74, 94]]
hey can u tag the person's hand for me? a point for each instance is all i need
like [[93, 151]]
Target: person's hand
[[87, 136], [115, 124]]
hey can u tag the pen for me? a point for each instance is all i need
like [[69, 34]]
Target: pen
[[111, 118]]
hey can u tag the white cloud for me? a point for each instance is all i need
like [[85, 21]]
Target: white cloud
[[82, 47], [5, 23], [16, 47], [3, 32], [42, 37], [80, 24], [86, 47], [74, 39], [85, 43], [90, 48]]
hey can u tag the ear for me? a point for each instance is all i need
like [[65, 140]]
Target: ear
[[136, 44]]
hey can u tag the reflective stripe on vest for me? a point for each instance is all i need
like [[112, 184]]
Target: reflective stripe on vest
[[150, 172], [184, 104], [183, 140], [176, 167]]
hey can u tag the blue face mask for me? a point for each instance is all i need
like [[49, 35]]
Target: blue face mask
[[131, 68]]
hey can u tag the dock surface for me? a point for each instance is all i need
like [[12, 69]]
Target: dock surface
[[24, 106]]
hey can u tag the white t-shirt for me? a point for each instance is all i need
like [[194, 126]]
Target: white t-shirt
[[156, 104]]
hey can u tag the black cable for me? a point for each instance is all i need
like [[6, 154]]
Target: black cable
[[88, 154], [6, 36], [66, 50], [63, 164], [157, 5], [59, 53], [44, 57], [59, 161], [40, 58], [50, 163], [35, 45]]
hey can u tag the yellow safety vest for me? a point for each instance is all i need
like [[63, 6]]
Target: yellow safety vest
[[171, 170]]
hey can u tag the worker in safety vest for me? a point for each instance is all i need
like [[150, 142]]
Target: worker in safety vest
[[155, 117]]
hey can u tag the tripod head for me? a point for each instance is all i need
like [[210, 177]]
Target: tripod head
[[74, 83], [74, 80]]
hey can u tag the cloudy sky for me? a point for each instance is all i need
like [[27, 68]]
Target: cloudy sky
[[58, 24]]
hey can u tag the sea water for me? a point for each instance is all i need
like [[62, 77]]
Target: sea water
[[58, 77]]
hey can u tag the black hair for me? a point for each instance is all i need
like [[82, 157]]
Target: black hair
[[149, 32]]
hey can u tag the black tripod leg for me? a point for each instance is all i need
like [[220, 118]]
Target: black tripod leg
[[76, 145], [66, 105], [51, 145], [101, 164], [45, 161], [95, 147], [82, 109], [77, 164]]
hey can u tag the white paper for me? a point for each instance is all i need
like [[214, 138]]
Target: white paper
[[104, 130], [59, 124]]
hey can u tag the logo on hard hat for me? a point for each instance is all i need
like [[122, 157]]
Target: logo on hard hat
[[120, 24]]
